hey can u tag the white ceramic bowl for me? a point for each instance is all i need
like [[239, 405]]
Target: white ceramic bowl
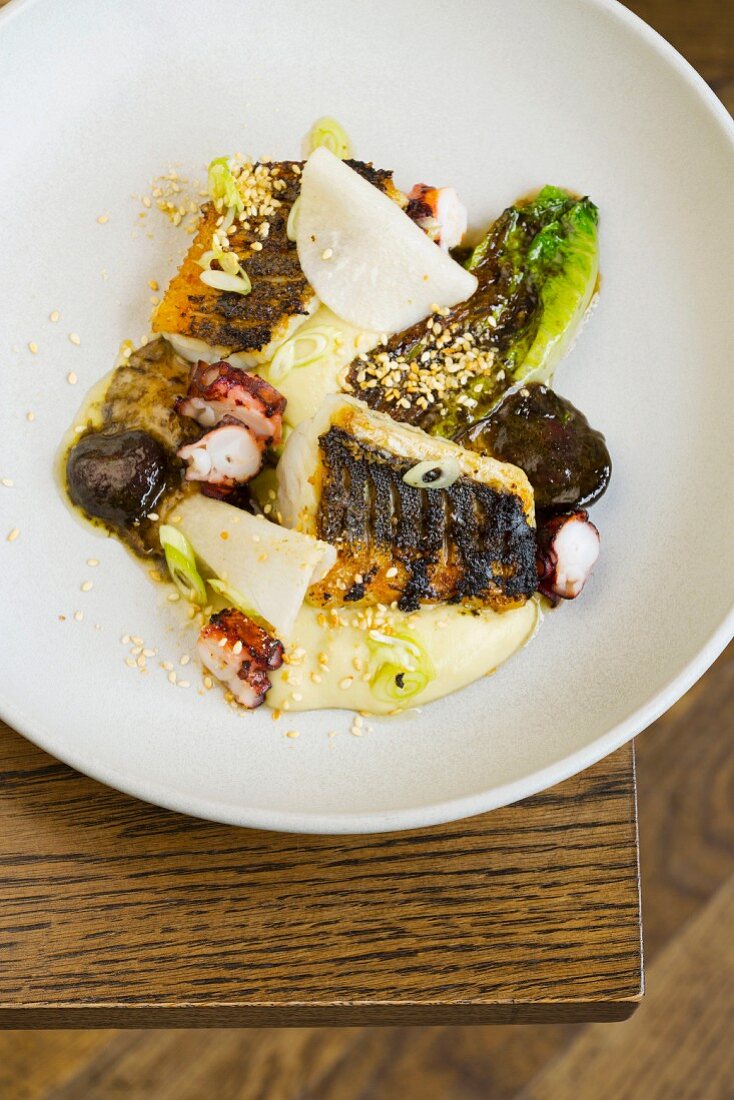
[[503, 96]]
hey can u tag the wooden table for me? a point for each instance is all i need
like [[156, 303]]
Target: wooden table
[[116, 914]]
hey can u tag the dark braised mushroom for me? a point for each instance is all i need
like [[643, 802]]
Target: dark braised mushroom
[[117, 476], [566, 460]]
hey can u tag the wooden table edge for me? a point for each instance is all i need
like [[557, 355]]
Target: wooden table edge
[[361, 1014]]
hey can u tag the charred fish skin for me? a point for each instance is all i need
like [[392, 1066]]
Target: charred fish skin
[[468, 543], [142, 393], [252, 325]]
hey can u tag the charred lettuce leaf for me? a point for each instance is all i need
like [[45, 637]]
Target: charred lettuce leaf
[[537, 270]]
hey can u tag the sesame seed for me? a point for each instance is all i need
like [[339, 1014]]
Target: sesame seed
[[54, 316], [136, 641], [346, 682], [293, 734], [125, 639], [316, 678], [130, 662], [7, 483], [12, 535], [136, 650], [173, 597], [103, 219], [222, 643], [184, 684], [392, 571], [327, 253], [71, 378], [78, 615], [74, 337], [92, 562], [33, 347], [237, 647], [86, 586], [153, 284], [296, 696], [256, 246], [141, 661], [30, 416], [153, 516], [208, 683], [184, 659], [149, 652], [172, 677]]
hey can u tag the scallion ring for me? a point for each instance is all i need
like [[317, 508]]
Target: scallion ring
[[291, 228], [181, 564], [232, 595], [302, 350], [328, 132], [222, 186], [437, 473], [220, 280], [402, 667]]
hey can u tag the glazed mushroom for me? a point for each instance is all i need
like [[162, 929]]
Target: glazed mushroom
[[568, 547]]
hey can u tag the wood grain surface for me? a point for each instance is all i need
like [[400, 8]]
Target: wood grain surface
[[115, 912]]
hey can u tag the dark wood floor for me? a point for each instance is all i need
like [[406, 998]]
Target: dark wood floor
[[678, 1045]]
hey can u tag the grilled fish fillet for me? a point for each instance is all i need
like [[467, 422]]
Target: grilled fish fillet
[[341, 479], [248, 329]]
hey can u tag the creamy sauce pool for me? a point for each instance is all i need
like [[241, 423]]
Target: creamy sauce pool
[[463, 647]]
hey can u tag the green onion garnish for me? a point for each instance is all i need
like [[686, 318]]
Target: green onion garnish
[[291, 228], [302, 350], [181, 564], [402, 667], [222, 186], [327, 131], [232, 595], [220, 280], [437, 473]]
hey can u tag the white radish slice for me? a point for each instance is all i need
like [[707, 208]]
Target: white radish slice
[[364, 257], [269, 565]]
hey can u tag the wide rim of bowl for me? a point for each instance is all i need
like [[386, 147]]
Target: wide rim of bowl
[[435, 813]]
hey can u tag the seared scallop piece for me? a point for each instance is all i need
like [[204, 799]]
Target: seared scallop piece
[[241, 654]]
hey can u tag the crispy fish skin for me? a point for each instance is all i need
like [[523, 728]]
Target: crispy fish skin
[[142, 393], [252, 325], [471, 543]]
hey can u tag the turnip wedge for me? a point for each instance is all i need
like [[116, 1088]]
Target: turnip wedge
[[259, 567], [364, 257]]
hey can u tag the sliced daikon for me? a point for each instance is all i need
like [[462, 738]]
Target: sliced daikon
[[364, 257], [270, 566]]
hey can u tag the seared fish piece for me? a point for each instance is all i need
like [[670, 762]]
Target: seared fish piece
[[248, 329], [342, 479]]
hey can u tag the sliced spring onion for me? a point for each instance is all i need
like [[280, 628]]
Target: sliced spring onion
[[302, 350], [222, 186], [433, 474], [402, 667], [182, 564], [292, 223], [220, 280], [327, 131], [233, 596]]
